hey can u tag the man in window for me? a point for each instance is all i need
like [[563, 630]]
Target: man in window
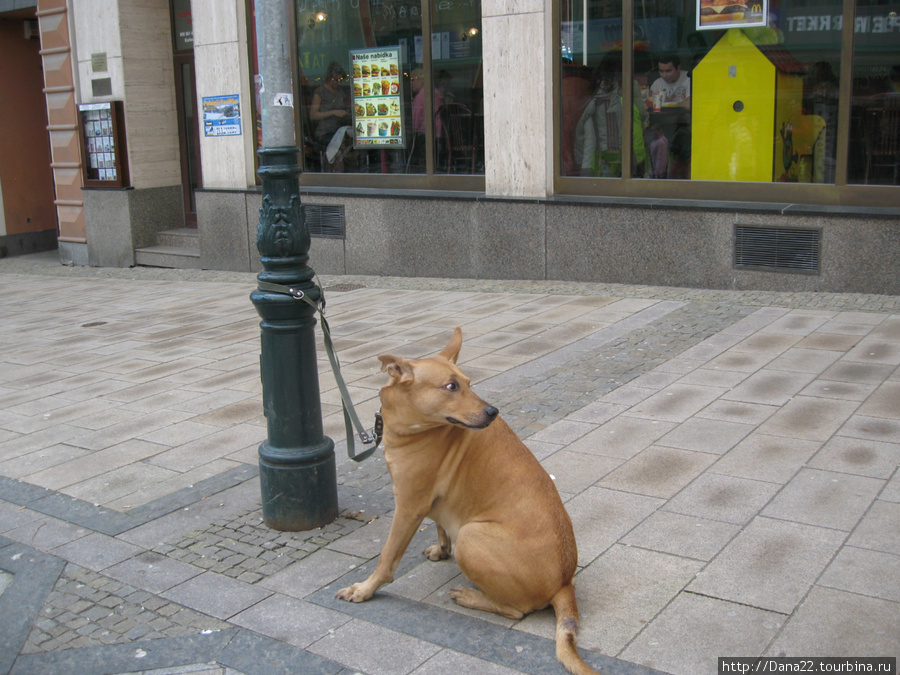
[[672, 96]]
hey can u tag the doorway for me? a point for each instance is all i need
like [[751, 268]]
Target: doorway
[[186, 103]]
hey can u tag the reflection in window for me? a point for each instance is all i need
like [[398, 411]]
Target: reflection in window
[[370, 103], [761, 85], [875, 114]]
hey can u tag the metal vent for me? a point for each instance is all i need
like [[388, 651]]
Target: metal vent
[[776, 249], [324, 221]]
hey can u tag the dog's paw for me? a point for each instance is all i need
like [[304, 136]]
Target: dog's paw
[[352, 594], [436, 552]]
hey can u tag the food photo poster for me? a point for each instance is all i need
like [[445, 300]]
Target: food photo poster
[[377, 98], [722, 14]]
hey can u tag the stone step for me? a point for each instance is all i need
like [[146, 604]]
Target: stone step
[[183, 237], [175, 257]]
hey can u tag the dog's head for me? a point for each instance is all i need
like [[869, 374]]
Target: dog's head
[[426, 393]]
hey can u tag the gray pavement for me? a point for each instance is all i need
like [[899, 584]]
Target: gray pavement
[[729, 460]]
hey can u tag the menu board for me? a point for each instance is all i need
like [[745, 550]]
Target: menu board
[[377, 98]]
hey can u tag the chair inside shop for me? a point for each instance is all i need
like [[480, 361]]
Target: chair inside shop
[[882, 136], [457, 138]]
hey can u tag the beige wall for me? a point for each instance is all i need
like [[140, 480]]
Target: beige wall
[[516, 118], [222, 63], [136, 37]]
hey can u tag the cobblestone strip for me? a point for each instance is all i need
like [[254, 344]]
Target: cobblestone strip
[[87, 609], [246, 549]]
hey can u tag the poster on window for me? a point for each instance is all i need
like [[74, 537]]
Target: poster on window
[[222, 115], [377, 98], [722, 14]]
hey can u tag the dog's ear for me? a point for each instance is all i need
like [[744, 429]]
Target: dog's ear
[[451, 351], [399, 369]]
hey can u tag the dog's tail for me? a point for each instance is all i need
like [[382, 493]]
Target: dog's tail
[[566, 628]]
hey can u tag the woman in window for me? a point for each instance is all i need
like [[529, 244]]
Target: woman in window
[[598, 134]]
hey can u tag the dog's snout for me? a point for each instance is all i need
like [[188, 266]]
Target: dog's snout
[[491, 412]]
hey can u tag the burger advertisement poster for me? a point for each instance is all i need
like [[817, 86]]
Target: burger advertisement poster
[[722, 14], [377, 98]]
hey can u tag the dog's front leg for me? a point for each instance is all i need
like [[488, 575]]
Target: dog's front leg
[[403, 528], [440, 550]]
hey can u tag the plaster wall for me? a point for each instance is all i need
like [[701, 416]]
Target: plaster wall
[[222, 63]]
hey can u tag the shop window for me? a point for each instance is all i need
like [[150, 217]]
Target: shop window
[[390, 86], [875, 114], [722, 91]]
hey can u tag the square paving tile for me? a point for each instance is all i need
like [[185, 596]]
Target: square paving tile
[[308, 575], [771, 564], [622, 591], [724, 498], [681, 535], [621, 437], [858, 456], [290, 620], [96, 551], [216, 595], [600, 517], [693, 631], [152, 572], [808, 417], [866, 572], [373, 649], [658, 471], [879, 530], [676, 403], [836, 623], [775, 459], [706, 435], [825, 498]]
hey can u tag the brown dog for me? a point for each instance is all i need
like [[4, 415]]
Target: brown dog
[[452, 458]]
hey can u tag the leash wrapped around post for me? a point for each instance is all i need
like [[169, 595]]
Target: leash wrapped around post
[[351, 419]]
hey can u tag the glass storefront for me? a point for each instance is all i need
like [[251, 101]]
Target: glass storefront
[[875, 116], [725, 91], [390, 86]]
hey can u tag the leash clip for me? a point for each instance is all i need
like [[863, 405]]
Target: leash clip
[[377, 432]]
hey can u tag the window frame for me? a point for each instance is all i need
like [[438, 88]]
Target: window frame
[[446, 182], [838, 194]]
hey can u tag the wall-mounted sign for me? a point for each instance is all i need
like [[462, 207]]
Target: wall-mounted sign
[[378, 98], [222, 115], [722, 14]]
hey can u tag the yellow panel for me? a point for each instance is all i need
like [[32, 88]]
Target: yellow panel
[[733, 110]]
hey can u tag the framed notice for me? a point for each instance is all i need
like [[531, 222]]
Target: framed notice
[[102, 131], [377, 98], [222, 115], [723, 14]]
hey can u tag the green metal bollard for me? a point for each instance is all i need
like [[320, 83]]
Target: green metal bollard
[[297, 471]]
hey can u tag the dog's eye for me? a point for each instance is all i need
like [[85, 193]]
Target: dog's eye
[[451, 386]]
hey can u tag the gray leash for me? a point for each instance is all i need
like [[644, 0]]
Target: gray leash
[[351, 419]]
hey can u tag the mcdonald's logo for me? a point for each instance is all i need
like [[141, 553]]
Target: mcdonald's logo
[[756, 10]]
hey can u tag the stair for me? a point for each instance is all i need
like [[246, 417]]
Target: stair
[[177, 249]]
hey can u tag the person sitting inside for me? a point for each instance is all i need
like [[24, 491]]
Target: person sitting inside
[[671, 151], [673, 86], [598, 134], [330, 111]]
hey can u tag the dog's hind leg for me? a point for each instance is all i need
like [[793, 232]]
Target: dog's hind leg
[[475, 599], [440, 550]]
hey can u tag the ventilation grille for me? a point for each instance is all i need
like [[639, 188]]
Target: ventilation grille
[[324, 221], [776, 249]]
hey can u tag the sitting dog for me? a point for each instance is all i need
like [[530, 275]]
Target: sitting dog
[[454, 460]]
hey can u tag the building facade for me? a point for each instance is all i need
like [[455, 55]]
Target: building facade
[[482, 138]]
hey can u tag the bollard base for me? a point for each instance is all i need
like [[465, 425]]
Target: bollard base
[[300, 494]]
